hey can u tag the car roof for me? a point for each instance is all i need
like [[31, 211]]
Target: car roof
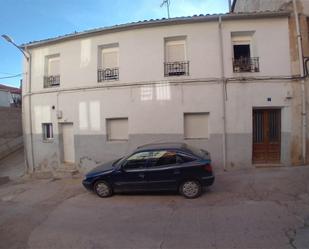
[[162, 146]]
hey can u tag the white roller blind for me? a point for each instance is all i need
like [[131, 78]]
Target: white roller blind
[[117, 129], [54, 66], [110, 58], [196, 125], [175, 51]]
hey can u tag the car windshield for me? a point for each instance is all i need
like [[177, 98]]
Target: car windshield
[[117, 161], [198, 152]]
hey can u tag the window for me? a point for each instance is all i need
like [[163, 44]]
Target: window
[[108, 62], [182, 158], [52, 71], [47, 131], [196, 125], [162, 158], [117, 129], [137, 161], [243, 52], [176, 63]]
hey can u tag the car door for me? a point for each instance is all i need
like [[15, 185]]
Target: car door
[[163, 172], [131, 175]]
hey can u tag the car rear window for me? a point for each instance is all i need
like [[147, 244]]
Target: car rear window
[[199, 152]]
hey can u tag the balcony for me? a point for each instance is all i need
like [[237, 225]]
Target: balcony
[[51, 81], [177, 68], [245, 64], [108, 74]]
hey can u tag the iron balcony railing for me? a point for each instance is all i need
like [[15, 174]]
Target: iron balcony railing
[[52, 80], [108, 74], [244, 64], [176, 68]]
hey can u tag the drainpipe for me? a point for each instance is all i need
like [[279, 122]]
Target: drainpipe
[[303, 92], [223, 81]]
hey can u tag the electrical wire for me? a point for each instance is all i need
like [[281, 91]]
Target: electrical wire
[[12, 76]]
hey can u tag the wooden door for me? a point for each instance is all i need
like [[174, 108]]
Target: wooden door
[[266, 135], [68, 143]]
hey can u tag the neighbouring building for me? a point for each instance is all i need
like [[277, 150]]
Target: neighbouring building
[[10, 96], [219, 82], [302, 7]]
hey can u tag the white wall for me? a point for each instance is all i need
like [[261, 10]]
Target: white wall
[[141, 52]]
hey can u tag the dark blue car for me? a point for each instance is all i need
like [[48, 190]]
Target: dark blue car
[[154, 167]]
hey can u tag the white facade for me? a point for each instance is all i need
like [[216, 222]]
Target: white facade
[[111, 118]]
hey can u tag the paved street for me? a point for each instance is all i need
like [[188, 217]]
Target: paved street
[[262, 208]]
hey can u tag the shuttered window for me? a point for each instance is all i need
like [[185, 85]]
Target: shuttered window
[[196, 125], [53, 65], [110, 57], [117, 129], [175, 51]]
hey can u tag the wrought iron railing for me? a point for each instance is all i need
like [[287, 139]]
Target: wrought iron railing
[[52, 80], [176, 68], [244, 64], [108, 74]]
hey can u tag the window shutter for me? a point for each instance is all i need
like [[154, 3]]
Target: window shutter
[[54, 66], [196, 125], [175, 52], [117, 129], [109, 58]]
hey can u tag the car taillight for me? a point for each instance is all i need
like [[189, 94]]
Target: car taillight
[[208, 168]]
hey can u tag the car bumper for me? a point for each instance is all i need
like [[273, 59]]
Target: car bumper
[[208, 180], [87, 185]]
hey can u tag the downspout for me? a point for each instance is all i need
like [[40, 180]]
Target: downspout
[[31, 168], [303, 90], [223, 81]]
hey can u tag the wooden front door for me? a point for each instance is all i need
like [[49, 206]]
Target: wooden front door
[[266, 135]]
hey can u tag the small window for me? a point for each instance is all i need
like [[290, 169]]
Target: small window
[[176, 63], [136, 161], [52, 71], [47, 131], [196, 125], [117, 129], [162, 158], [108, 63]]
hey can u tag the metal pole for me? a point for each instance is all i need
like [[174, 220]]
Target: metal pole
[[303, 90], [230, 5]]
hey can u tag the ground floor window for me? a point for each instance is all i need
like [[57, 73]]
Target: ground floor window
[[47, 131], [117, 129], [196, 125]]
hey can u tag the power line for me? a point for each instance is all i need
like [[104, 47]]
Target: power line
[[12, 76]]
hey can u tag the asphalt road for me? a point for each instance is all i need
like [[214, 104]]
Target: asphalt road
[[263, 208]]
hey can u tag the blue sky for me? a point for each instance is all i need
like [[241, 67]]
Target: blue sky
[[29, 20]]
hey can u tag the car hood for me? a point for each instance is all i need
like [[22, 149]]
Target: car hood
[[102, 168]]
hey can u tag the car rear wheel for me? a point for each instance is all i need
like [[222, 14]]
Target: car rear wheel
[[103, 189], [190, 189]]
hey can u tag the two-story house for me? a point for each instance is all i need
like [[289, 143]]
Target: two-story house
[[219, 82]]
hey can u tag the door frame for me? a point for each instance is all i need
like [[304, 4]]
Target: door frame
[[61, 145], [280, 135]]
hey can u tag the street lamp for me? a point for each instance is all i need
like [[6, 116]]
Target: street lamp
[[10, 40], [29, 158]]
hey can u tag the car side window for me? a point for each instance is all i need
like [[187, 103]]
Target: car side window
[[162, 157], [182, 158], [137, 161]]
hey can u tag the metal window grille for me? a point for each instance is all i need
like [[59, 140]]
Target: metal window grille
[[108, 74], [245, 64], [52, 80], [176, 68]]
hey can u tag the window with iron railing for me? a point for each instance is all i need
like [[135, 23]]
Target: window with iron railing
[[176, 63], [176, 68], [108, 67], [108, 74], [246, 64], [52, 71]]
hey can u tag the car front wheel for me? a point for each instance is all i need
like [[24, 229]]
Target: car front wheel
[[190, 189], [103, 189]]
